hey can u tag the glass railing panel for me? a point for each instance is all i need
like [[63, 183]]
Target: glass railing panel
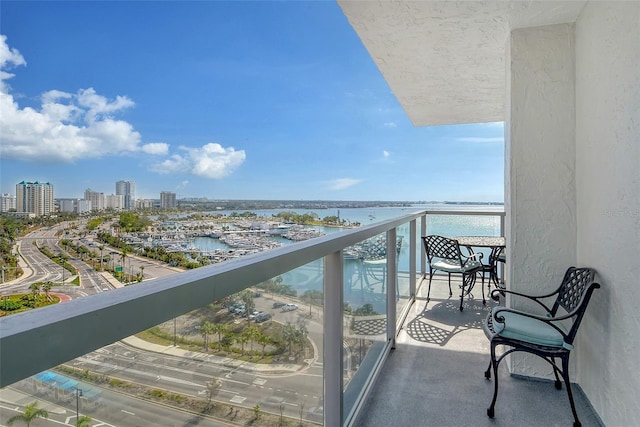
[[365, 313], [403, 277], [253, 357], [465, 225]]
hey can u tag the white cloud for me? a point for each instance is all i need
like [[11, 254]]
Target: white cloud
[[156, 148], [66, 127], [342, 183], [182, 185], [211, 161], [391, 125], [481, 139], [385, 153], [8, 55]]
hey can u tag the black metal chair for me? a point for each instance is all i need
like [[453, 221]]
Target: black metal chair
[[443, 254], [546, 335]]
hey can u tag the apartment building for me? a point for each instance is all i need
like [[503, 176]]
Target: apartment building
[[7, 202], [127, 189], [167, 200], [96, 198], [35, 197]]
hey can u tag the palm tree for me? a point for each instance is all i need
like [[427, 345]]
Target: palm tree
[[101, 247], [84, 421], [242, 339], [123, 255], [253, 333], [35, 291], [263, 340], [206, 330], [220, 329], [31, 412], [289, 334], [46, 287]]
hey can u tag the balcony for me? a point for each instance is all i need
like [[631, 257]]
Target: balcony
[[375, 356]]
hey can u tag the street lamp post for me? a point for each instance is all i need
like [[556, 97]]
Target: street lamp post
[[78, 395]]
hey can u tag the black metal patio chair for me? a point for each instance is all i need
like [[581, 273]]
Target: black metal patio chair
[[546, 335], [443, 254]]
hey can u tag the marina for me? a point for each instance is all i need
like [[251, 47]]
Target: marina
[[221, 236]]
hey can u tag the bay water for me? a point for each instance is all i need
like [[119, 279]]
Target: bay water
[[310, 276]]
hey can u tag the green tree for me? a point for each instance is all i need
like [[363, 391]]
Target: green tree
[[46, 288], [220, 329], [101, 247], [252, 333], [205, 330], [31, 412], [289, 333], [35, 291], [264, 340], [242, 339], [123, 256]]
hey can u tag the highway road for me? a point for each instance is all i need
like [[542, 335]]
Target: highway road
[[187, 374]]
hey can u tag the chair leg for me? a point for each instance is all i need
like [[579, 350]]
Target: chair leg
[[429, 288], [484, 300], [450, 293], [567, 382], [494, 365], [464, 281], [558, 383]]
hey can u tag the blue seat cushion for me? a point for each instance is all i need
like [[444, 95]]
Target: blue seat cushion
[[453, 266], [523, 328]]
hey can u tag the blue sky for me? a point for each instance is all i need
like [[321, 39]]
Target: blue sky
[[224, 100]]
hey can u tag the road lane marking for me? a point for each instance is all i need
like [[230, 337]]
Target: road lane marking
[[127, 412]]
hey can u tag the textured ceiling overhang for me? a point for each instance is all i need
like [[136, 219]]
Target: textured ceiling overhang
[[445, 60]]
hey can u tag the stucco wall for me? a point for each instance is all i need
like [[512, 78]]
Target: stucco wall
[[541, 187], [608, 201]]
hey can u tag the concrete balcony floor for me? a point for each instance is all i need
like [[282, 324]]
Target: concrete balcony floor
[[435, 375]]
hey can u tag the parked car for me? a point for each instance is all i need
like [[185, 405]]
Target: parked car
[[290, 307], [262, 317], [278, 304], [254, 314]]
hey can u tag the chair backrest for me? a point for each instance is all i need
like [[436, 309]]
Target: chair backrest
[[574, 294], [442, 247]]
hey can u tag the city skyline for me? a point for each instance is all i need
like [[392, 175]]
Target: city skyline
[[223, 100]]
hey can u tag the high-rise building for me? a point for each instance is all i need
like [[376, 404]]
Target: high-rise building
[[167, 200], [127, 189], [143, 204], [96, 199], [7, 202], [114, 201], [35, 197]]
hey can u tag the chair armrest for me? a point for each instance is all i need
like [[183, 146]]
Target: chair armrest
[[475, 255], [495, 295]]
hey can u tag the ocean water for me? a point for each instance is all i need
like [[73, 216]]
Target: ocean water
[[310, 276]]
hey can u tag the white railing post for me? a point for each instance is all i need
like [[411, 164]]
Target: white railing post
[[412, 258], [392, 278], [333, 324], [423, 253]]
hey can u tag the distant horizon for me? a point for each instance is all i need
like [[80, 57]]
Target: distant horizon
[[210, 200]]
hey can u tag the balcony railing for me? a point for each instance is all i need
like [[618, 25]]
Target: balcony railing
[[365, 300]]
